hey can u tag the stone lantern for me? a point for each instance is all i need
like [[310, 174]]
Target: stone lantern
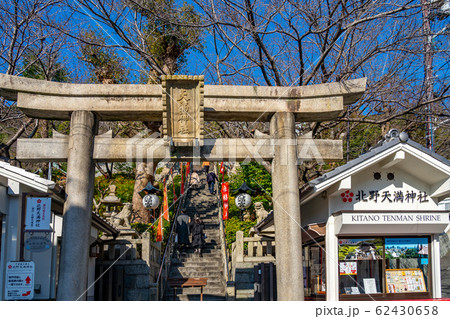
[[112, 202]]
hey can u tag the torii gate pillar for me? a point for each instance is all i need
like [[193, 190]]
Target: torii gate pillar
[[286, 207], [78, 207]]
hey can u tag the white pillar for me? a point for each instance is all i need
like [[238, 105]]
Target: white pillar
[[435, 266], [2, 247], [332, 261], [14, 220]]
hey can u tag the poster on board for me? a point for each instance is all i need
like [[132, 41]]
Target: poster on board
[[405, 280], [360, 249], [19, 280], [407, 248], [348, 268]]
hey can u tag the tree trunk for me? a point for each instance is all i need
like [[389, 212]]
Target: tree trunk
[[144, 174]]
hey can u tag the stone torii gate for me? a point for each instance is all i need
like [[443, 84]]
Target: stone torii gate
[[182, 103]]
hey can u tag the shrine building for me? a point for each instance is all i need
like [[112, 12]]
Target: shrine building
[[371, 228]]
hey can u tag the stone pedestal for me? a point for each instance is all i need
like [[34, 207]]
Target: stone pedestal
[[286, 206], [127, 233], [78, 208]]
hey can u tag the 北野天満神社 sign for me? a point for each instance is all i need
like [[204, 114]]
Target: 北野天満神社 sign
[[38, 214]]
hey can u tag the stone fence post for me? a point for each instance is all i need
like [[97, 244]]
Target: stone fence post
[[240, 246]]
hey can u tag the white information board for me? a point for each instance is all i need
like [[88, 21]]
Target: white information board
[[19, 280], [370, 286], [38, 213]]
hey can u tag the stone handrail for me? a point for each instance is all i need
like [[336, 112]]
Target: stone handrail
[[133, 249], [259, 250], [138, 248]]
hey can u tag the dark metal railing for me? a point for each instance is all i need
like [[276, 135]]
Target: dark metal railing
[[164, 269]]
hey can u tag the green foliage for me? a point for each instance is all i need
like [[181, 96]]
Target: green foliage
[[257, 178], [124, 191], [169, 42], [234, 225], [104, 63], [141, 228], [167, 225], [125, 168], [35, 69], [363, 138]]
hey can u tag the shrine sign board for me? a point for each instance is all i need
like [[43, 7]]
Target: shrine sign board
[[183, 115], [19, 280], [38, 214]]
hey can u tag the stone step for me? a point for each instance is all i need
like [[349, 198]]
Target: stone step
[[216, 281], [189, 264], [210, 242], [196, 290], [194, 273], [192, 261], [206, 297], [200, 263], [206, 255], [190, 271], [216, 285], [211, 226], [213, 239]]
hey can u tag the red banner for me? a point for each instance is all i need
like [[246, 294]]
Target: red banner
[[182, 179], [225, 189], [165, 203], [225, 211], [222, 171], [188, 168], [159, 230], [173, 186]]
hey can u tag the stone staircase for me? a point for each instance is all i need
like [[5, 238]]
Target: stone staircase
[[210, 265]]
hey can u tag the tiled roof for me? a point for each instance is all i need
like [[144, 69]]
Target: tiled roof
[[373, 152]]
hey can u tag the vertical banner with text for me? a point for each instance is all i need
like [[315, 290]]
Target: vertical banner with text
[[182, 179], [159, 230], [222, 171], [225, 197]]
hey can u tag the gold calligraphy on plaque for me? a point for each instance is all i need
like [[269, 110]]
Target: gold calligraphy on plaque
[[183, 111], [183, 116]]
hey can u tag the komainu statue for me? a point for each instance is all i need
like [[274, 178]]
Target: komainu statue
[[122, 219], [261, 213]]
